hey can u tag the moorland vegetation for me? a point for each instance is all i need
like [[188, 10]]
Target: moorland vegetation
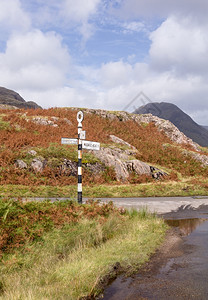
[[41, 130]]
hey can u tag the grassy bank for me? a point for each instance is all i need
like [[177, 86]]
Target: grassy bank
[[186, 187], [63, 250]]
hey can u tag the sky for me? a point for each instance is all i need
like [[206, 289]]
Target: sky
[[104, 53]]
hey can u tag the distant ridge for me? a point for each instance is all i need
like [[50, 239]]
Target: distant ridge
[[181, 120], [11, 98]]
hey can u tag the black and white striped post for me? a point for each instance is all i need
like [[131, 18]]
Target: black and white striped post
[[82, 144], [80, 118]]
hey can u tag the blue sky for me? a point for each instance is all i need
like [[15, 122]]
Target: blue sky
[[102, 53]]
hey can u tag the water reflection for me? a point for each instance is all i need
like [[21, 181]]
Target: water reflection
[[186, 226]]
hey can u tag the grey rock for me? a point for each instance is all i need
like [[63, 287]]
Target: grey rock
[[203, 159], [114, 158], [124, 163], [37, 165], [167, 127], [118, 140], [20, 164], [138, 167], [95, 168], [163, 125], [157, 173], [68, 168], [67, 121], [40, 120], [32, 152]]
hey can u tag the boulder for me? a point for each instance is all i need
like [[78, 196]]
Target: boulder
[[20, 164], [124, 163], [68, 168], [37, 165], [114, 158], [138, 167], [32, 152]]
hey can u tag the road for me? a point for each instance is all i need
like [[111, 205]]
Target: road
[[159, 205]]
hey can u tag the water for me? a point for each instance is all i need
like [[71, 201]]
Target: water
[[183, 274]]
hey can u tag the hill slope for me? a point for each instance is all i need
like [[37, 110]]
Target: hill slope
[[184, 122], [11, 98], [135, 148]]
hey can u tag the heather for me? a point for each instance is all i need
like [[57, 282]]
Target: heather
[[20, 132]]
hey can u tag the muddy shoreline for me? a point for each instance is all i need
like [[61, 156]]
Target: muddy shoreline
[[171, 247], [177, 270]]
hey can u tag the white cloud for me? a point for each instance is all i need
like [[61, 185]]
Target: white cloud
[[131, 27], [78, 13], [115, 74], [12, 16], [34, 60], [79, 10], [162, 8], [179, 46], [119, 82], [38, 65]]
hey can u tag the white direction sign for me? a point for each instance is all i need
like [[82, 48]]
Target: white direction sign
[[90, 145], [67, 141]]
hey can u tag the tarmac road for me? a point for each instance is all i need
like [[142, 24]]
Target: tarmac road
[[159, 205]]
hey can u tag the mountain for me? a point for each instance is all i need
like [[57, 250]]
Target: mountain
[[206, 127], [181, 120], [11, 98]]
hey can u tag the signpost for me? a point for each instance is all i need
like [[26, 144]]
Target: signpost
[[82, 144]]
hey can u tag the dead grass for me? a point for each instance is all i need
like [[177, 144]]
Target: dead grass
[[71, 261], [16, 143]]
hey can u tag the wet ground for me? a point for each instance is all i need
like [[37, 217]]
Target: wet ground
[[179, 270]]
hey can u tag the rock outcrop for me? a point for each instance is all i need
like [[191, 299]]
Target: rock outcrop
[[40, 120], [124, 162], [203, 159], [166, 126], [180, 119]]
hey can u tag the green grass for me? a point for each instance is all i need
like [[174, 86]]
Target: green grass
[[3, 124], [70, 262], [59, 152], [154, 189]]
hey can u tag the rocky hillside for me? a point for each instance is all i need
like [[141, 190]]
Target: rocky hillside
[[14, 100], [181, 120], [134, 148]]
